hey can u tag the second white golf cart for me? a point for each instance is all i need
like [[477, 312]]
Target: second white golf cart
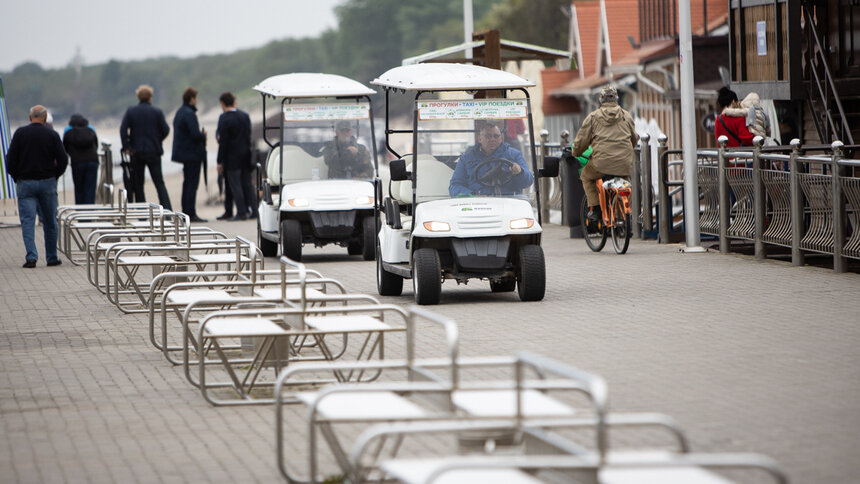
[[320, 166], [460, 207]]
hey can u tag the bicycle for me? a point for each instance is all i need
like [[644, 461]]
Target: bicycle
[[616, 218]]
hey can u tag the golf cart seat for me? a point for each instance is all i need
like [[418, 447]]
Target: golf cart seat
[[433, 180], [299, 165]]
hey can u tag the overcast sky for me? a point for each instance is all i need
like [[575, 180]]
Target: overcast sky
[[48, 31]]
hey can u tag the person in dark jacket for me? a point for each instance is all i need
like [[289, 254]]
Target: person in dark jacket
[[234, 156], [36, 158], [142, 130], [189, 148], [82, 145]]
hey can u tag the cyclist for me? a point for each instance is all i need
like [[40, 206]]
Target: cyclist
[[609, 131]]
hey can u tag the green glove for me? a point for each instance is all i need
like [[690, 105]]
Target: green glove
[[583, 159]]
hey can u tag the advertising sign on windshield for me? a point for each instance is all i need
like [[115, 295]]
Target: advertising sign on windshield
[[472, 109], [322, 112]]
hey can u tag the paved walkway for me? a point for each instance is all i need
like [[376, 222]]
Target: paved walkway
[[748, 356]]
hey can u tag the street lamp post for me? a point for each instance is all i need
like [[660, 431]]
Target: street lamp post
[[688, 130]]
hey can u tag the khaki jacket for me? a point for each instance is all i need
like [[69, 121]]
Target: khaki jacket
[[610, 133]]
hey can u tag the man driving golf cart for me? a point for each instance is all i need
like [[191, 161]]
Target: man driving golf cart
[[490, 167]]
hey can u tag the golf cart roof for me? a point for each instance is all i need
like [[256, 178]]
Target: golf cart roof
[[305, 84], [448, 77]]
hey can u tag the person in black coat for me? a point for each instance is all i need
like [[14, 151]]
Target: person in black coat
[[189, 148], [234, 156], [82, 145], [36, 158], [142, 130]]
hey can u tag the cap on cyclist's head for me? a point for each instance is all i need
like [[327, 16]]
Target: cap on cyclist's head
[[608, 95]]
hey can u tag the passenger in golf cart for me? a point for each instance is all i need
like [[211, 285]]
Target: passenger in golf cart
[[344, 156], [490, 167]]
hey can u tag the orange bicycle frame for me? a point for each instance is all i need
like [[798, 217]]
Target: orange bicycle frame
[[609, 214]]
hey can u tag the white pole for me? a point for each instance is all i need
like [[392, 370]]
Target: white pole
[[688, 129], [467, 25]]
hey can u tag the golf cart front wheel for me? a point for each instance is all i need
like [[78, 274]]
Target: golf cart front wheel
[[531, 280], [291, 239], [368, 237], [426, 276], [267, 247], [387, 284]]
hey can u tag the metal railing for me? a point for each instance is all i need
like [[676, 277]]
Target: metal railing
[[795, 200], [801, 198]]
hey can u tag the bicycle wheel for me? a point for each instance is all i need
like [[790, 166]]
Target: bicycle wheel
[[620, 225], [594, 233]]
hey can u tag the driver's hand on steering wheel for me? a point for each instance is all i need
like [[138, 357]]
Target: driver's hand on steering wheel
[[516, 169]]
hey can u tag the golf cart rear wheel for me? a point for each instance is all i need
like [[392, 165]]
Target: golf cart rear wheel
[[291, 239], [594, 233], [387, 284], [426, 276], [531, 278], [267, 247], [353, 248], [368, 238], [507, 284]]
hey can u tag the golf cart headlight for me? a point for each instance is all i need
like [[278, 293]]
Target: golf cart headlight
[[364, 201], [522, 223], [298, 202], [437, 226]]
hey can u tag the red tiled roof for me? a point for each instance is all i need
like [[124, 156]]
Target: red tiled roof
[[579, 86], [651, 50], [552, 79], [623, 21]]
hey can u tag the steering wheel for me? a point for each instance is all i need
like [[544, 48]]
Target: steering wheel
[[495, 175]]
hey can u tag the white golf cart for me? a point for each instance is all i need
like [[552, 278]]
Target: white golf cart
[[481, 226], [317, 183]]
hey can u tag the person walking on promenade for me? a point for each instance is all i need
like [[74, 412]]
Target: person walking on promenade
[[36, 158], [234, 156], [189, 148], [82, 145], [610, 133], [142, 131]]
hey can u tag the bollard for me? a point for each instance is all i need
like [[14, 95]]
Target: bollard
[[635, 190], [106, 175], [759, 205], [839, 262], [797, 218], [544, 196], [565, 143], [725, 200], [647, 199], [665, 210]]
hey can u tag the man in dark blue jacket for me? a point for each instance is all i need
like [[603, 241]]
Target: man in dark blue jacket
[[234, 156], [142, 130], [36, 158], [189, 148], [508, 177]]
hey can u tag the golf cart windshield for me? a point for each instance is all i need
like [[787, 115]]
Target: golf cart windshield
[[472, 147], [329, 141]]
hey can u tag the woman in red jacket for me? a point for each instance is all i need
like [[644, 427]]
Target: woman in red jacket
[[734, 128]]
